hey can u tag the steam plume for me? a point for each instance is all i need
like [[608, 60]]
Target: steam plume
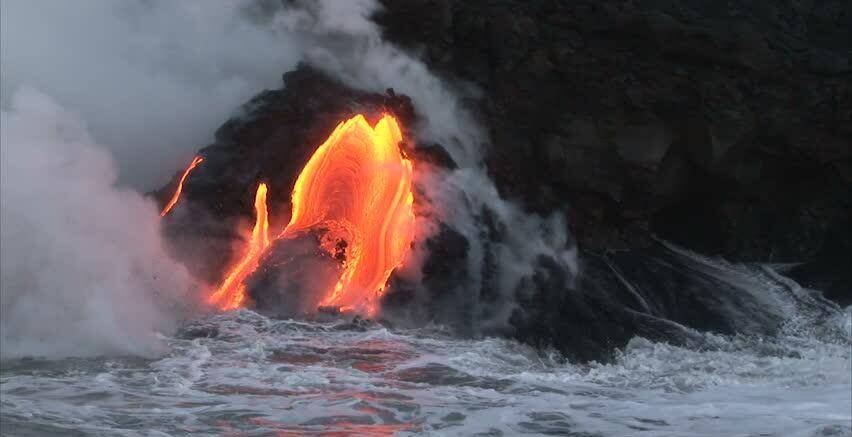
[[153, 79], [83, 270]]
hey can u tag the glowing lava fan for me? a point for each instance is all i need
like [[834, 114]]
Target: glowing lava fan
[[358, 186], [355, 192]]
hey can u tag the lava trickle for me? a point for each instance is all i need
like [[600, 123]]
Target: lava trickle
[[231, 294], [176, 196]]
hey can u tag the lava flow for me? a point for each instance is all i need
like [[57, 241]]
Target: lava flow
[[356, 190], [176, 196], [231, 294], [357, 185]]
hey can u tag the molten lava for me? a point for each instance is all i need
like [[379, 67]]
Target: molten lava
[[356, 191], [231, 294], [357, 186], [176, 196]]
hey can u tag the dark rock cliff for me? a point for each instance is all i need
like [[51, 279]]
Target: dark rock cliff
[[724, 127]]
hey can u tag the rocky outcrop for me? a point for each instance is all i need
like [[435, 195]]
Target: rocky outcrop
[[724, 128], [654, 292], [270, 141]]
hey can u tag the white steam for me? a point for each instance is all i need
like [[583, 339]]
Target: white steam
[[153, 79], [145, 84], [340, 38], [83, 267], [526, 237]]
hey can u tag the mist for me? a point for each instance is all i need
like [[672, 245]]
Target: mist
[[83, 267], [102, 101], [342, 40], [153, 79]]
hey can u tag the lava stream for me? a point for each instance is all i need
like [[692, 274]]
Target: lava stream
[[357, 185], [231, 294], [176, 196], [356, 190]]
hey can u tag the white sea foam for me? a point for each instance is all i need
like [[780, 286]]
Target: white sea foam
[[259, 376]]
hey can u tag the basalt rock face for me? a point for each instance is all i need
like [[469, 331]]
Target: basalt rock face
[[726, 128], [829, 270]]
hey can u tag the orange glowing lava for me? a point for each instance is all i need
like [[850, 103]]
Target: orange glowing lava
[[176, 196], [232, 294], [358, 186]]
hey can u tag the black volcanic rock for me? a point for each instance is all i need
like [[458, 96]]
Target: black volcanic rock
[[655, 293], [434, 154], [293, 276], [441, 296], [723, 127], [830, 270]]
